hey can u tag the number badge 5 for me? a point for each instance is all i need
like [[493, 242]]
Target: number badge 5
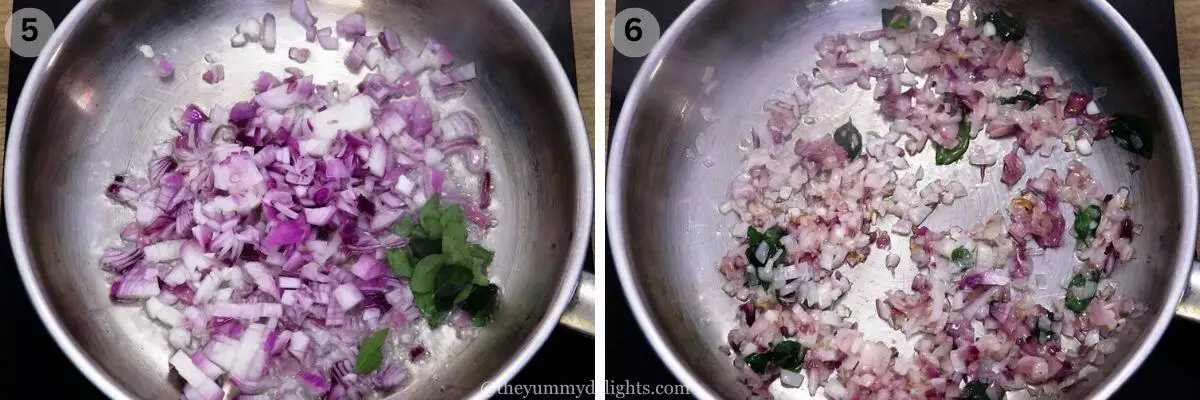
[[28, 31]]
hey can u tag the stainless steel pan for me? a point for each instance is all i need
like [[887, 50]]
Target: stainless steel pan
[[667, 236], [92, 107]]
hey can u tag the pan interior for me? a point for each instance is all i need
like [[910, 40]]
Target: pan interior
[[100, 109], [675, 166]]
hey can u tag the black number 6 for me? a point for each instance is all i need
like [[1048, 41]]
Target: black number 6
[[633, 32], [28, 29]]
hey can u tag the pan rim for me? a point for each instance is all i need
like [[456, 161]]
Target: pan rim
[[1180, 139], [582, 166]]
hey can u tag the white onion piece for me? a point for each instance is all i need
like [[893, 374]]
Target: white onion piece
[[268, 32], [374, 56], [299, 55], [353, 115], [190, 373], [163, 251], [347, 296], [791, 379], [238, 40], [251, 29]]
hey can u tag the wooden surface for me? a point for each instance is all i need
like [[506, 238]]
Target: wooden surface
[[583, 23], [610, 10], [5, 12], [1187, 19]]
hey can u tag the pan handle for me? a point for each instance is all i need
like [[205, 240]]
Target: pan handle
[[581, 313], [1190, 306]]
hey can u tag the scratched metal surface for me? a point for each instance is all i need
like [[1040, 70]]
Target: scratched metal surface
[[111, 109], [673, 236]]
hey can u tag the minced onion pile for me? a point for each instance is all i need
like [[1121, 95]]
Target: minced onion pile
[[811, 203], [284, 240]]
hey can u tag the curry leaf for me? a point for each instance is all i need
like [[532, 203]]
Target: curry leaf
[[425, 273], [481, 303], [962, 257], [400, 261], [758, 361], [944, 156], [449, 284], [1087, 220], [1029, 98], [849, 138], [454, 243], [1081, 290], [431, 217], [425, 303], [408, 228], [1008, 28], [976, 390], [789, 355], [896, 17], [1131, 134], [369, 354]]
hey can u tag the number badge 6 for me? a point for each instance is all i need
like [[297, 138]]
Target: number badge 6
[[634, 32]]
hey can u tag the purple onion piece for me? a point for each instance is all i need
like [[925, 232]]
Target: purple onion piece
[[165, 68], [241, 201], [302, 14], [485, 191], [390, 40], [352, 26], [268, 32], [326, 39], [1013, 169], [298, 54], [215, 74], [358, 54], [1076, 105]]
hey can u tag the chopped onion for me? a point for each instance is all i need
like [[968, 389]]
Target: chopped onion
[[302, 14], [390, 41], [358, 54], [809, 205], [268, 32], [146, 51], [251, 29], [259, 230], [238, 40], [299, 55], [165, 68], [347, 296], [163, 251], [374, 55], [326, 39], [1076, 105], [215, 74], [352, 26], [204, 387]]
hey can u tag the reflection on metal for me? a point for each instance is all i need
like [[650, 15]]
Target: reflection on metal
[[662, 205], [581, 313], [92, 107]]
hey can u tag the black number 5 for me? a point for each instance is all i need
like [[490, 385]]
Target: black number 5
[[29, 31], [633, 32]]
